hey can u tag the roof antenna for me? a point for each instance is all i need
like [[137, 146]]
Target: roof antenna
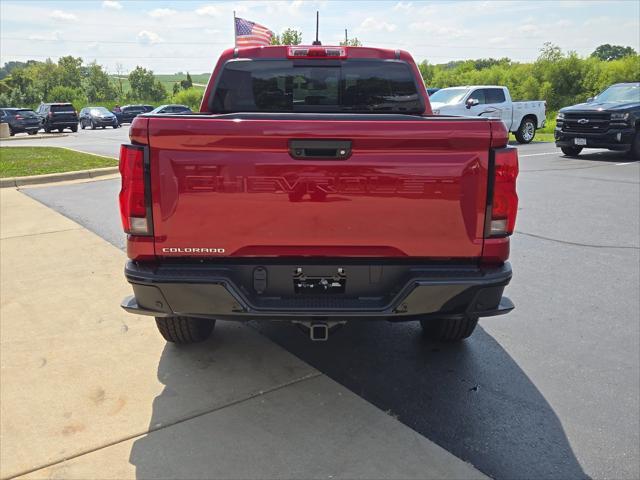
[[316, 41]]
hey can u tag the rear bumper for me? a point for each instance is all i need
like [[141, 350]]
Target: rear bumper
[[612, 139], [381, 291]]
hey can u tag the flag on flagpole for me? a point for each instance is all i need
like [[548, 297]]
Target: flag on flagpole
[[251, 34]]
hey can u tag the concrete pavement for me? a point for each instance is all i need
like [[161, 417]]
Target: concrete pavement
[[89, 391]]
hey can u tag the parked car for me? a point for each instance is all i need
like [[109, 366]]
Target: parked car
[[58, 116], [609, 120], [148, 108], [171, 109], [128, 112], [318, 189], [431, 91], [521, 118], [97, 117], [20, 120]]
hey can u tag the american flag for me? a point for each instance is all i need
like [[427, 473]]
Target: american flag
[[251, 34]]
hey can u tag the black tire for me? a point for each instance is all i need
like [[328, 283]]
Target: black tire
[[74, 129], [82, 125], [571, 151], [184, 330], [93, 125], [526, 131], [47, 130], [32, 132], [12, 133], [634, 153], [60, 130], [103, 127], [448, 329]]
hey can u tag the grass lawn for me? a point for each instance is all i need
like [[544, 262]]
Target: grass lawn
[[26, 161]]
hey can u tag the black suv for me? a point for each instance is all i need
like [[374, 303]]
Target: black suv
[[128, 112], [58, 116], [20, 120], [97, 117], [610, 120]]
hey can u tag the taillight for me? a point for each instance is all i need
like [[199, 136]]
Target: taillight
[[19, 117], [50, 114], [503, 205], [133, 197]]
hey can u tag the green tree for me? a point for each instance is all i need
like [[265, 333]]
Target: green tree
[[190, 97], [98, 84], [351, 42], [289, 37], [144, 86], [187, 83], [60, 93], [609, 52], [69, 71]]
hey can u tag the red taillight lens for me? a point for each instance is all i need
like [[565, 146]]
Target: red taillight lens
[[504, 203], [19, 117], [133, 200]]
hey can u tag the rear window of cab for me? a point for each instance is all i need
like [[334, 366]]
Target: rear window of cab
[[356, 86]]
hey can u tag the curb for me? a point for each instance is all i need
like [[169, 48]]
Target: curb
[[35, 137], [56, 177]]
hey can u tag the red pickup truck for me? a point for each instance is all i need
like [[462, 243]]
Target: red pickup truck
[[315, 186]]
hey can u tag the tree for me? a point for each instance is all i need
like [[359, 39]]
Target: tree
[[98, 84], [609, 52], [186, 84], [288, 37], [351, 42], [144, 86], [69, 71], [119, 77]]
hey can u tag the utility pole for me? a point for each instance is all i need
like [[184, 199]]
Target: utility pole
[[346, 39]]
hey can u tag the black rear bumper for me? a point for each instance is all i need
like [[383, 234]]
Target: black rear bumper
[[269, 290]]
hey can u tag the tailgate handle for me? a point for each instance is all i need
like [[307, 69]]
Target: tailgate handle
[[320, 149]]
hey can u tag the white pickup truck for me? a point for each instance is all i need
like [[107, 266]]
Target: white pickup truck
[[521, 118]]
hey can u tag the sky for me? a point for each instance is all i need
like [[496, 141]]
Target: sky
[[179, 36]]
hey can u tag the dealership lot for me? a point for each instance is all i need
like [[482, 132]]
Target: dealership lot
[[550, 390]]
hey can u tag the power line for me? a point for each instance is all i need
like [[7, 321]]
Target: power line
[[201, 43]]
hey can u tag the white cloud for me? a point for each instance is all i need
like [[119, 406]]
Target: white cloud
[[112, 4], [162, 12], [437, 29], [497, 40], [529, 29], [54, 36], [209, 10], [371, 24], [403, 6], [148, 38], [64, 16]]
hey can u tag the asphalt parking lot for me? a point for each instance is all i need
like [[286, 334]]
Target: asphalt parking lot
[[548, 391]]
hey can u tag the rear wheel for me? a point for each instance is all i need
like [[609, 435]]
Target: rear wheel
[[93, 125], [526, 131], [60, 130], [448, 329], [571, 151], [82, 125], [74, 128], [32, 132], [184, 330]]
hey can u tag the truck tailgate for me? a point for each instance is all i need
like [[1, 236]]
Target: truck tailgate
[[230, 186]]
